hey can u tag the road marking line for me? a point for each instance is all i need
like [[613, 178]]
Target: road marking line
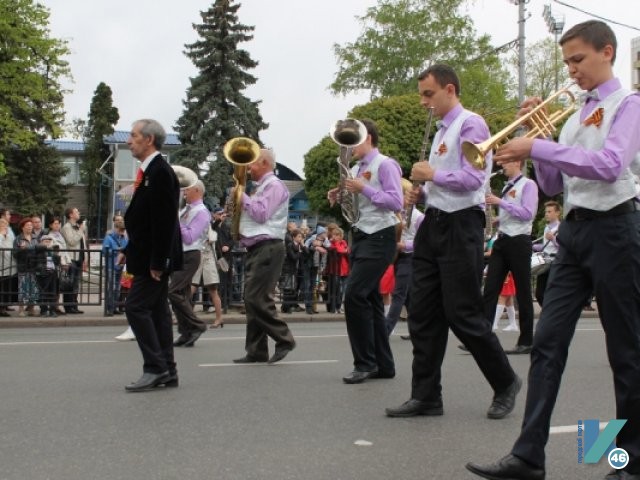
[[571, 428], [261, 364]]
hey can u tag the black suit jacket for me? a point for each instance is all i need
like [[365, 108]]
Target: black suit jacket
[[152, 222]]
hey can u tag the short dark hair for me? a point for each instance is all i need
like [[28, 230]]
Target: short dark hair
[[553, 204], [53, 219], [443, 75], [594, 32], [372, 130]]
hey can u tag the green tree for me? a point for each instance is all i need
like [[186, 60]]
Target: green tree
[[102, 118], [31, 68], [400, 38], [32, 181], [543, 66], [215, 109]]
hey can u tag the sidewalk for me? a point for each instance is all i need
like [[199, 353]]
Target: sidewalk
[[93, 316]]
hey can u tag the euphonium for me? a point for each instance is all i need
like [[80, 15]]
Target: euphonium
[[540, 124], [241, 152], [347, 133]]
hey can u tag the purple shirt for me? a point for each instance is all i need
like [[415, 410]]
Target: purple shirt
[[389, 174], [192, 231], [526, 210], [261, 207], [465, 178], [408, 245], [619, 149]]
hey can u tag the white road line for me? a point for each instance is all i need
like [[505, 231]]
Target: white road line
[[571, 428], [262, 364]]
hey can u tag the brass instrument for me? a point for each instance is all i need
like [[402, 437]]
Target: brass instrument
[[348, 133], [488, 209], [540, 123], [423, 154], [241, 152], [187, 178]]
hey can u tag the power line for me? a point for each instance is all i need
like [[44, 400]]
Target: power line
[[596, 16]]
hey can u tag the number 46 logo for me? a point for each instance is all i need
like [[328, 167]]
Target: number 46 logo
[[599, 444]]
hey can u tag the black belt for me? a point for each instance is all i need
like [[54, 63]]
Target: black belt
[[263, 243], [436, 212], [581, 214], [405, 254]]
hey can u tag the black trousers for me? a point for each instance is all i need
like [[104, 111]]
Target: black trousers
[[446, 293], [180, 295], [400, 296], [364, 311], [262, 270], [541, 286], [70, 299], [511, 254], [148, 313], [602, 254]]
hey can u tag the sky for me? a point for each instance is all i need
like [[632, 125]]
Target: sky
[[137, 48]]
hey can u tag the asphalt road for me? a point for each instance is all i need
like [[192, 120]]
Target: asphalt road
[[64, 414]]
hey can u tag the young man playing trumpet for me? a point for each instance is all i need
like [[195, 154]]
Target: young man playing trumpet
[[599, 248]]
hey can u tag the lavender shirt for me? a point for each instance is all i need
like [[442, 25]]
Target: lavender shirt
[[619, 149], [466, 178], [261, 207], [389, 174], [408, 245], [193, 230], [527, 209]]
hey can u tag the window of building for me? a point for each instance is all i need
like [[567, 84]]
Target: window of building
[[72, 164]]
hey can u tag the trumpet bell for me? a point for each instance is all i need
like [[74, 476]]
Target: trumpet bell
[[474, 154], [187, 178], [241, 150], [348, 132]]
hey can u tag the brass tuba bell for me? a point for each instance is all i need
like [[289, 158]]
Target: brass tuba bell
[[241, 152]]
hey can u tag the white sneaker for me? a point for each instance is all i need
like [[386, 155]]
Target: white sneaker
[[511, 328], [126, 335]]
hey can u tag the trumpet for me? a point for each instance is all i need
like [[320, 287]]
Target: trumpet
[[241, 152], [541, 124], [423, 154]]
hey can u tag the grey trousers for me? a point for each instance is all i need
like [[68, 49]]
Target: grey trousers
[[180, 295]]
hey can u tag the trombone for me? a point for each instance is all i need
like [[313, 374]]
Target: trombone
[[541, 124]]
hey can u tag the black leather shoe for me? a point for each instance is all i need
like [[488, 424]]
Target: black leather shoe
[[405, 337], [250, 359], [621, 475], [182, 339], [519, 350], [358, 377], [463, 348], [413, 407], [172, 382], [507, 468], [75, 311], [503, 402], [148, 381], [384, 374], [191, 341], [280, 353]]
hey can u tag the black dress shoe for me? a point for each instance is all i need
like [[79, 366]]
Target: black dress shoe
[[384, 374], [503, 402], [182, 339], [172, 382], [358, 377], [280, 353], [250, 359], [463, 348], [519, 350], [507, 468], [621, 475], [405, 337], [191, 341], [413, 407], [148, 381]]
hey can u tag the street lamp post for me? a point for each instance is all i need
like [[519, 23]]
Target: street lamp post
[[555, 25]]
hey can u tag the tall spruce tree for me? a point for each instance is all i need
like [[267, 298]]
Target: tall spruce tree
[[31, 108], [215, 109], [102, 118]]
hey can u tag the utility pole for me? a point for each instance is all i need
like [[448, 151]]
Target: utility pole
[[522, 83], [555, 25]]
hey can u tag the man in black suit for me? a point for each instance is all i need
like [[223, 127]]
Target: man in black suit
[[153, 252]]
